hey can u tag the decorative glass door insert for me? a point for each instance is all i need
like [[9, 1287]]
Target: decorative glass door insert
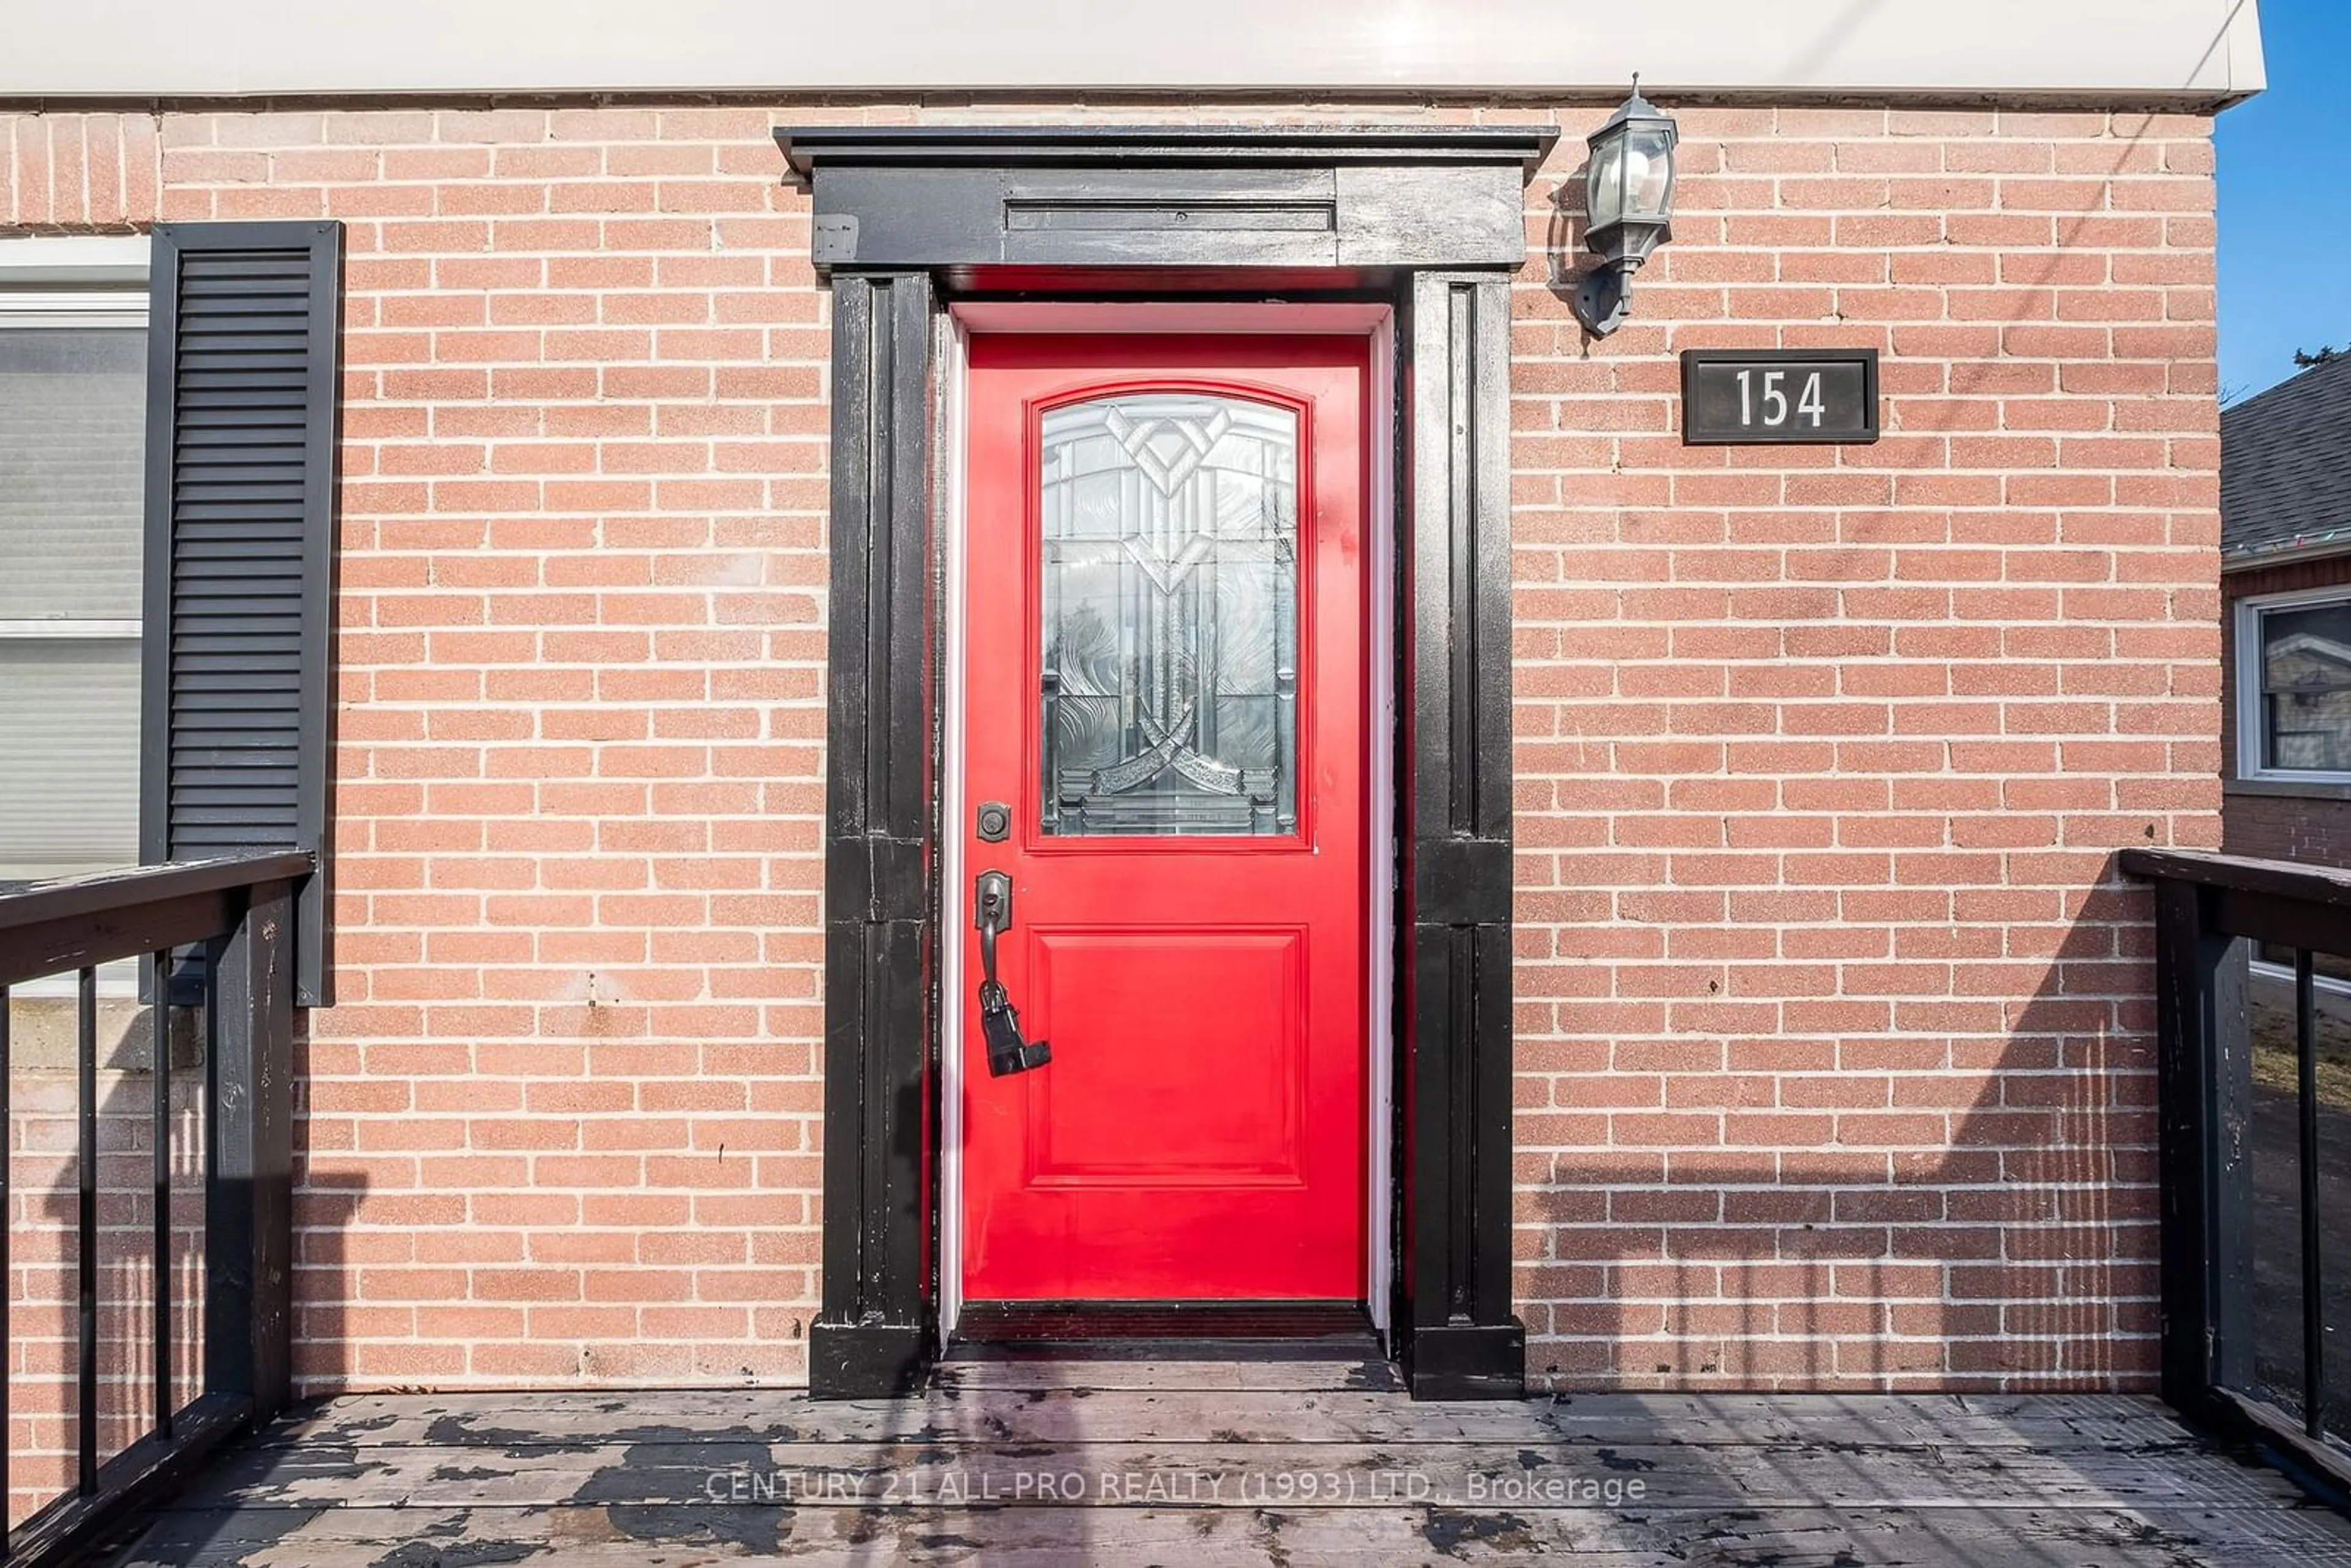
[[1170, 610]]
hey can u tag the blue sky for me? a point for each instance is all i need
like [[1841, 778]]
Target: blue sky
[[2285, 199]]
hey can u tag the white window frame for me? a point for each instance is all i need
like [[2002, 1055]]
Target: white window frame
[[2252, 718], [77, 281]]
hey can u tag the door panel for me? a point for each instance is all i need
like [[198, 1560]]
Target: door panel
[[1166, 685], [1081, 1123]]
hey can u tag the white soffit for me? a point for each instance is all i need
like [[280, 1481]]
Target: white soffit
[[2186, 51]]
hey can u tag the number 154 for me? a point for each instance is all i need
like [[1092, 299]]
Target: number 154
[[1808, 406]]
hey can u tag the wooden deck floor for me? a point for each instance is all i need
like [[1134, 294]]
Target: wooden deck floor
[[1278, 1458]]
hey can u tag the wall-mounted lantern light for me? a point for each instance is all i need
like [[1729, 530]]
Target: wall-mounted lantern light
[[1628, 207]]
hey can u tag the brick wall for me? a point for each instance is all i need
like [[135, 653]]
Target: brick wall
[[1833, 1018], [562, 1124], [1833, 1024], [2288, 827], [75, 173]]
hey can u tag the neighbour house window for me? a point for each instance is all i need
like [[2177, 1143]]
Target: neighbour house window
[[73, 356], [2293, 676]]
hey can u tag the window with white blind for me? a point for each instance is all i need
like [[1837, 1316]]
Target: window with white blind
[[73, 356]]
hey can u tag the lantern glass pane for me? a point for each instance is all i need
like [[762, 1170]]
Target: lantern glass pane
[[1649, 166], [1604, 184]]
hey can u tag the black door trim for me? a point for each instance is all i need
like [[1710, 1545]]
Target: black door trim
[[1427, 233]]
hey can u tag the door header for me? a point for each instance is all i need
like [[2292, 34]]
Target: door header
[[1354, 198], [1289, 319]]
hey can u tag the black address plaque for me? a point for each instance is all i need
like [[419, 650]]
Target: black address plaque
[[1757, 397]]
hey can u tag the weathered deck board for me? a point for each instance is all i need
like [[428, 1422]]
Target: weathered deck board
[[1080, 1414], [672, 1537], [1255, 1460], [1787, 1475], [948, 1392]]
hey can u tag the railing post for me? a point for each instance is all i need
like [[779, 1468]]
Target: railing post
[[86, 1232], [2313, 1255], [2205, 1149], [249, 1188]]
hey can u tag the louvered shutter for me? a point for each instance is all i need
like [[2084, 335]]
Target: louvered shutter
[[241, 417]]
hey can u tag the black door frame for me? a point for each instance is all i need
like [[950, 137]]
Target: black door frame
[[1429, 218]]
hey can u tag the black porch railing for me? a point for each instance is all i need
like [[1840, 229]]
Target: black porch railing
[[238, 913], [2254, 1062]]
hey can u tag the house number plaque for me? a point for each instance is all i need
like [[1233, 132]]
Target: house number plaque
[[1755, 397]]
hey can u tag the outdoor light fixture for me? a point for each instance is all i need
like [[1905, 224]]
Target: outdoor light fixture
[[1628, 207]]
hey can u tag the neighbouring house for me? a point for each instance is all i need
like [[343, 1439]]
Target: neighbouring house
[[2286, 619], [776, 561]]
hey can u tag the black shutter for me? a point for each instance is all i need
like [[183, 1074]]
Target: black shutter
[[242, 392]]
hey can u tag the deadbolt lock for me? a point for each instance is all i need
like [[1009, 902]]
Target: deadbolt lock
[[995, 822]]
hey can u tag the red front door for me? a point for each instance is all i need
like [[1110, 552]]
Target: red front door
[[1166, 685]]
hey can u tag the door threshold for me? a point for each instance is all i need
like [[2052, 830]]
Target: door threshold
[[1064, 1323]]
